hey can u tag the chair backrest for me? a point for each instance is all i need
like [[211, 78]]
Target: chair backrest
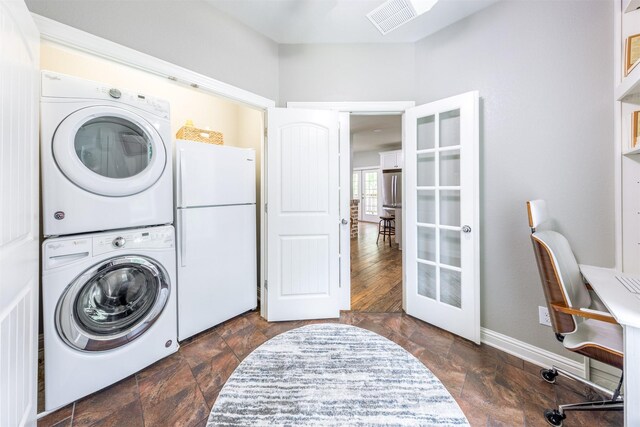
[[559, 271], [537, 210]]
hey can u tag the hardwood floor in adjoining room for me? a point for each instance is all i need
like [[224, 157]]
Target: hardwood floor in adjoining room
[[376, 272], [492, 388]]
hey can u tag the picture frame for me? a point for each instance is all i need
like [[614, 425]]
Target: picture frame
[[635, 129], [632, 53]]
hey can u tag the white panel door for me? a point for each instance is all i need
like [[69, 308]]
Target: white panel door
[[441, 214], [19, 232], [217, 271], [303, 216]]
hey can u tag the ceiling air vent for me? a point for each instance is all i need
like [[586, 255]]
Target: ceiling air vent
[[394, 13]]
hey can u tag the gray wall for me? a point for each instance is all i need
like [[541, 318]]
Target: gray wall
[[349, 72], [187, 33], [361, 159], [545, 75]]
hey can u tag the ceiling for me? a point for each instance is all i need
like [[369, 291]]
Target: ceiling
[[375, 133], [339, 21]]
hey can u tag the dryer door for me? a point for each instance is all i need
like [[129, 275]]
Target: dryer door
[[109, 151], [112, 303]]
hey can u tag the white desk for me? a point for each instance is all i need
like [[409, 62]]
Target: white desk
[[625, 308]]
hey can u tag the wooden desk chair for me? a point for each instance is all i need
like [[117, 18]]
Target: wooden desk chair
[[579, 319]]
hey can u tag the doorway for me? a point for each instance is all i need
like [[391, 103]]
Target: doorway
[[375, 249]]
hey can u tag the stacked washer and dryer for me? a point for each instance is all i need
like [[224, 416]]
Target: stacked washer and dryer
[[108, 259]]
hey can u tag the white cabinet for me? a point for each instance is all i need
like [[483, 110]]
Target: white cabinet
[[391, 159], [627, 99]]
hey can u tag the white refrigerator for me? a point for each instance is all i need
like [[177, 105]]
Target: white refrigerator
[[216, 234]]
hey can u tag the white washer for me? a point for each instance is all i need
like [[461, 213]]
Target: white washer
[[106, 157], [109, 308]]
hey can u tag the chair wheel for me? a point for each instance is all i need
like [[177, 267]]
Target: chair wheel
[[549, 375], [554, 417]]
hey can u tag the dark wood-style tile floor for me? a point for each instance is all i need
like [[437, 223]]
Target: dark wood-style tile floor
[[492, 387], [376, 272]]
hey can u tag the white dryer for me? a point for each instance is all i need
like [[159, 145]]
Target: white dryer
[[109, 308], [106, 157]]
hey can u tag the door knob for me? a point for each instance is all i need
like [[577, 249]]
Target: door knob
[[344, 221], [466, 229]]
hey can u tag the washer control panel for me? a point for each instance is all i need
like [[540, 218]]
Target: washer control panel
[[151, 238], [62, 251]]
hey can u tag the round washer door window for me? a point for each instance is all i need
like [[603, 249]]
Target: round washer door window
[[109, 151], [111, 304]]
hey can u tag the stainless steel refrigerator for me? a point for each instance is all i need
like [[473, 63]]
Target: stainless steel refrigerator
[[392, 188]]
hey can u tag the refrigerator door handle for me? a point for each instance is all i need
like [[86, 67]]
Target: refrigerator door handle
[[393, 190], [180, 177], [183, 241]]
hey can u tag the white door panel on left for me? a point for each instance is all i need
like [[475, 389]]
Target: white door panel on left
[[19, 233], [303, 218]]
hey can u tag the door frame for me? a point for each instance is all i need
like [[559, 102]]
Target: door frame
[[374, 108]]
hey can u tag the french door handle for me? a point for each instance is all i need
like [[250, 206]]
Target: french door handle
[[344, 221], [466, 229]]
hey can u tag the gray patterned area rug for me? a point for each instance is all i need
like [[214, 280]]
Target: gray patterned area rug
[[333, 375]]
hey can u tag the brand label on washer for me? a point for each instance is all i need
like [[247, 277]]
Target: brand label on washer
[[58, 215]]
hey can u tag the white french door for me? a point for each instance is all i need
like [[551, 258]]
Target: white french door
[[303, 215], [441, 207], [19, 230], [368, 193]]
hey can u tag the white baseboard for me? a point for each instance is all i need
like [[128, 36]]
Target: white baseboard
[[605, 375], [530, 353]]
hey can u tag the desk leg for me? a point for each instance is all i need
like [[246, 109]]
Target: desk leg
[[631, 376]]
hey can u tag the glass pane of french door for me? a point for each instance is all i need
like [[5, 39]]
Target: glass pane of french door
[[370, 194], [438, 208], [355, 185]]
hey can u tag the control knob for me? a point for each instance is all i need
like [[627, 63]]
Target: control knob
[[119, 242], [115, 93]]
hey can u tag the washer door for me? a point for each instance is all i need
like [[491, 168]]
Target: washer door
[[112, 303], [109, 151]]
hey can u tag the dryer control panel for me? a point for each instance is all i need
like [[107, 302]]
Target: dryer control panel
[[56, 85]]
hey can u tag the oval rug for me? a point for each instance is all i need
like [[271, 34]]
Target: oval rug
[[333, 375]]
